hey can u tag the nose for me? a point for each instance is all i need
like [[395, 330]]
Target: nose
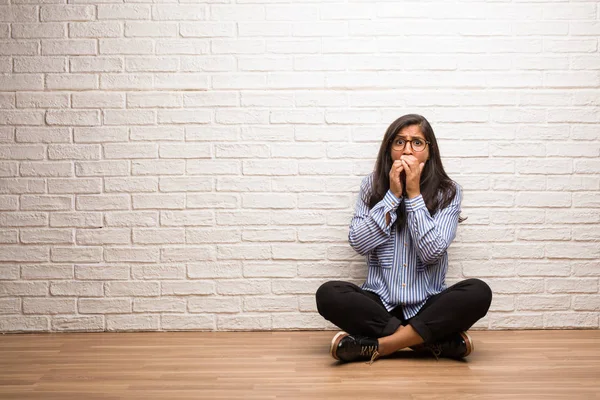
[[408, 149]]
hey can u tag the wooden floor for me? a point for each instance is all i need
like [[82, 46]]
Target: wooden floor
[[291, 365]]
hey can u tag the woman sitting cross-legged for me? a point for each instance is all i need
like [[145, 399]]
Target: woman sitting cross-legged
[[406, 217]]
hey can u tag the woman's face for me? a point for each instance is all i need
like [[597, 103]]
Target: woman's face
[[411, 132]]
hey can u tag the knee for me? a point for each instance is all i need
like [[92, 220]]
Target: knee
[[482, 294], [325, 296], [325, 292]]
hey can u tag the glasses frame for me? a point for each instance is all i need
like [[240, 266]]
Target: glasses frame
[[406, 141]]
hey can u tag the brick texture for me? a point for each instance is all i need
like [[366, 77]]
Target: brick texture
[[194, 166]]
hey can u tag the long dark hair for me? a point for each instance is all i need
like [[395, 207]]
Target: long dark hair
[[437, 188]]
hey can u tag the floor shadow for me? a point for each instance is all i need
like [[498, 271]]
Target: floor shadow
[[406, 355]]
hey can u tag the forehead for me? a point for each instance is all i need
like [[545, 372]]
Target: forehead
[[411, 131]]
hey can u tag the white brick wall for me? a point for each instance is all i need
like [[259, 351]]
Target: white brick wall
[[194, 166]]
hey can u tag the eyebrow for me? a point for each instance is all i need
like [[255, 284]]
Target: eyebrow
[[405, 137]]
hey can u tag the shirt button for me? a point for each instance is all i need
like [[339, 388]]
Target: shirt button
[[404, 265], [405, 244], [404, 285]]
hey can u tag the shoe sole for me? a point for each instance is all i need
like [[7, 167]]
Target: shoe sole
[[468, 342], [334, 342]]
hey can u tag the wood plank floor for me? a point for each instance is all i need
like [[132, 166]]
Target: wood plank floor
[[291, 365]]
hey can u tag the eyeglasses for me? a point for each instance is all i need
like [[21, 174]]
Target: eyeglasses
[[416, 144]]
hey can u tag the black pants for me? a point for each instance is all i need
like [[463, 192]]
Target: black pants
[[361, 312]]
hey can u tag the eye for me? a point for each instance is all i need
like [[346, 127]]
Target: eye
[[418, 142], [399, 142]]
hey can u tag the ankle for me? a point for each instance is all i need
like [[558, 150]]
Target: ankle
[[384, 349]]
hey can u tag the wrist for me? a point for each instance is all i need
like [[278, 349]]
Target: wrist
[[395, 192], [412, 195]]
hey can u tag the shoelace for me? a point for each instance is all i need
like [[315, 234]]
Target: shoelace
[[436, 349], [374, 356], [366, 350]]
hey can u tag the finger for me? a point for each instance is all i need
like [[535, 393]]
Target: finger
[[421, 166], [395, 171], [412, 161], [406, 166]]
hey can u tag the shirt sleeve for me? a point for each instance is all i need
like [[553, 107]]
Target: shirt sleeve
[[368, 228], [432, 235]]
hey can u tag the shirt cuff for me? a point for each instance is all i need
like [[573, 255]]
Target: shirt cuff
[[414, 204], [391, 201]]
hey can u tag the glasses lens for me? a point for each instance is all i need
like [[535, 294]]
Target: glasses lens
[[399, 144], [418, 145]]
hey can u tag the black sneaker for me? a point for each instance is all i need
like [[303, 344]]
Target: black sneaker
[[457, 346], [346, 347]]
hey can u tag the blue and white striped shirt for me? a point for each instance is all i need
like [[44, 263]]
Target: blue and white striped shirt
[[409, 266]]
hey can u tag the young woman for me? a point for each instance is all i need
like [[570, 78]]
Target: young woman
[[406, 216]]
